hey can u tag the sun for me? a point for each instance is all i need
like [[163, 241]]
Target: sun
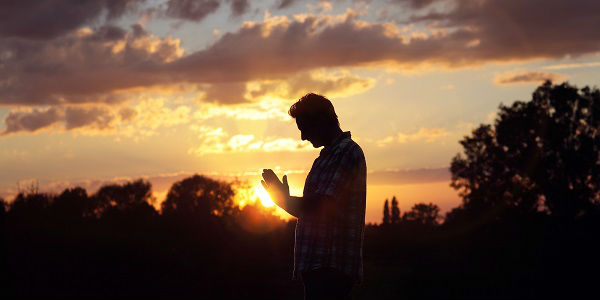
[[263, 196]]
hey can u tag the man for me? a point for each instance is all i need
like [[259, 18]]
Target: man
[[331, 212]]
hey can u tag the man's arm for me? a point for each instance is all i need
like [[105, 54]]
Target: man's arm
[[292, 206], [280, 193], [295, 206]]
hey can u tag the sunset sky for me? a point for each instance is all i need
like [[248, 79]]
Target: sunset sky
[[103, 91]]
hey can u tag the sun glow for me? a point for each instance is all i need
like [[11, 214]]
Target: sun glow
[[263, 196]]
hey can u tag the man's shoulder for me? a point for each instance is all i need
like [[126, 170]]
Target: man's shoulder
[[353, 148]]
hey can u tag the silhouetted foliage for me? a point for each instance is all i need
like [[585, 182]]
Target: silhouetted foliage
[[395, 219], [131, 197], [423, 214], [386, 213], [72, 204], [199, 197], [3, 206], [540, 154]]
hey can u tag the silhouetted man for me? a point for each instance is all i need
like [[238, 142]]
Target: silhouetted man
[[331, 212]]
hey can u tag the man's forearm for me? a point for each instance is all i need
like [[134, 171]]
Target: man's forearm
[[291, 205]]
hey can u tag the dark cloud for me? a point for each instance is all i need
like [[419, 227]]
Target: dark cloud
[[71, 117], [528, 77], [45, 19], [192, 10], [98, 117], [31, 121], [239, 7], [516, 29], [416, 4], [83, 66], [281, 4]]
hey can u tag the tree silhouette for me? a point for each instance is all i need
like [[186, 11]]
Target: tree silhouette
[[395, 211], [129, 200], [72, 203], [199, 197], [540, 154], [3, 206], [386, 213], [423, 214]]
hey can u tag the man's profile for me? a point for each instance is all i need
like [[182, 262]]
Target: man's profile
[[331, 212]]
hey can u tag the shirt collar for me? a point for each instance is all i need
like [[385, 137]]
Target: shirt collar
[[336, 140]]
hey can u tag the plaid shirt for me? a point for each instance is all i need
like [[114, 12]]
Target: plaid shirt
[[330, 229]]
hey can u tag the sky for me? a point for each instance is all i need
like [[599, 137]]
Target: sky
[[96, 92]]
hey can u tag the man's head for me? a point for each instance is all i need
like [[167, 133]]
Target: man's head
[[315, 118]]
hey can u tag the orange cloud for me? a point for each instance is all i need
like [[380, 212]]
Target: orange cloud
[[520, 77], [213, 140]]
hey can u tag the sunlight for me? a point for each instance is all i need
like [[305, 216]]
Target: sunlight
[[264, 197]]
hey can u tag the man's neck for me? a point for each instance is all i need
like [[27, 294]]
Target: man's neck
[[332, 134]]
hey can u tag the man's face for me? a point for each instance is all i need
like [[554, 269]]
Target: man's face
[[310, 132]]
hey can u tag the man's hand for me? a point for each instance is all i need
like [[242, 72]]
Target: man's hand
[[279, 192]]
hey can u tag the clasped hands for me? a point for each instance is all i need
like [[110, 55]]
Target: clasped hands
[[279, 191]]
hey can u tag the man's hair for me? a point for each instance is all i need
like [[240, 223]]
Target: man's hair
[[314, 108]]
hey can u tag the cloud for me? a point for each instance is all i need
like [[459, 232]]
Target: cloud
[[239, 7], [72, 117], [281, 4], [104, 64], [262, 110], [198, 10], [520, 77], [415, 4], [518, 30], [332, 84], [429, 135], [214, 141], [573, 66], [83, 66], [280, 46], [136, 121], [46, 19], [30, 120], [99, 117], [192, 10]]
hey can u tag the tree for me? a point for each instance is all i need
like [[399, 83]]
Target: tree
[[395, 211], [72, 203], [130, 198], [3, 206], [543, 154], [424, 214], [199, 197], [386, 213]]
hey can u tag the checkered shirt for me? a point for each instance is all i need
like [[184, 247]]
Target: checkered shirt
[[330, 228]]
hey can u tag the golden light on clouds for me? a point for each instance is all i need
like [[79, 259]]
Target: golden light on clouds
[[214, 140]]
